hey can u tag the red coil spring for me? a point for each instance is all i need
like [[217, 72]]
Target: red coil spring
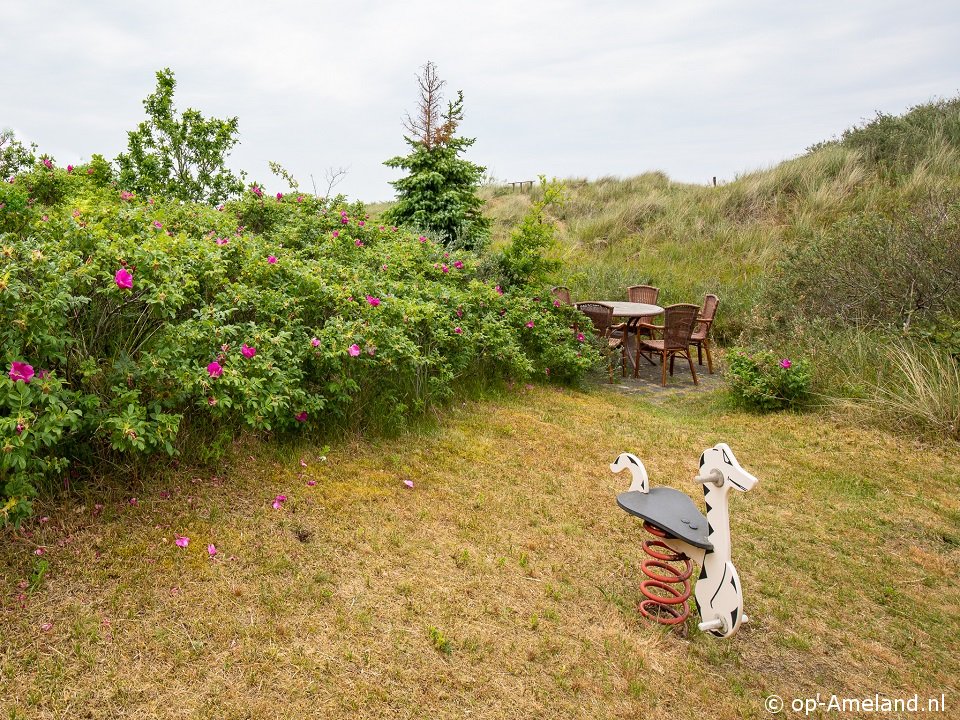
[[664, 602]]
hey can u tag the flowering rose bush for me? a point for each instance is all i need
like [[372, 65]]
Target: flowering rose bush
[[149, 322], [763, 381]]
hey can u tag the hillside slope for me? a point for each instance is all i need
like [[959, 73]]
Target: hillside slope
[[692, 239]]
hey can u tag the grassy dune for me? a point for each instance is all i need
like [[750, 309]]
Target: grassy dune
[[502, 585]]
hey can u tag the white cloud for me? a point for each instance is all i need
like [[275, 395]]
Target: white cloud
[[567, 88]]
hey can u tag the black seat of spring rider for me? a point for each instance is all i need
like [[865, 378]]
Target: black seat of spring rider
[[669, 510]]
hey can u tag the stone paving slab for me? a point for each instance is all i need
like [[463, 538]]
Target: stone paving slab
[[680, 384]]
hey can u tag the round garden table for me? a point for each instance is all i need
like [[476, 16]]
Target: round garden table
[[630, 310]]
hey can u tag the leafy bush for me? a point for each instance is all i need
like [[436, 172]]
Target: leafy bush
[[179, 156], [900, 143], [14, 155], [890, 268], [524, 261], [153, 324], [762, 381]]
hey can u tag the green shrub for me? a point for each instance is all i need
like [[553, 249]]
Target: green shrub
[[320, 319], [900, 143], [525, 260], [888, 269], [762, 381]]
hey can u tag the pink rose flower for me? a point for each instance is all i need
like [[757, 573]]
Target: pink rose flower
[[279, 197], [336, 233], [272, 259], [124, 279], [354, 350], [530, 324], [247, 351], [458, 330], [499, 290], [785, 364], [158, 225], [358, 243], [373, 300], [222, 241], [301, 416], [214, 369], [458, 265], [315, 342]]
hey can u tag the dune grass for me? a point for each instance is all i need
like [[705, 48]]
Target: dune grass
[[502, 585]]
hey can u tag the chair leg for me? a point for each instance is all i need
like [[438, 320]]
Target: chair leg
[[699, 354], [672, 356], [663, 369], [692, 371], [706, 347]]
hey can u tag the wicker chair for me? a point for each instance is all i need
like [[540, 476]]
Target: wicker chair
[[642, 294], [601, 315], [701, 332], [562, 294], [678, 323]]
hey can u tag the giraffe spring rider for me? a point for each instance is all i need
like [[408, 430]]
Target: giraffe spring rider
[[683, 535]]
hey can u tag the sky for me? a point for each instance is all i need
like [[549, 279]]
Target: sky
[[693, 88]]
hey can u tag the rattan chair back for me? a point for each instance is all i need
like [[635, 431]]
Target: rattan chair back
[[678, 323], [643, 294], [600, 314], [561, 293]]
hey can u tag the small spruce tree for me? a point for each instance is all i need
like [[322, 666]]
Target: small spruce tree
[[439, 193]]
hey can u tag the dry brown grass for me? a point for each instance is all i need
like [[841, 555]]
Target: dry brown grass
[[502, 586]]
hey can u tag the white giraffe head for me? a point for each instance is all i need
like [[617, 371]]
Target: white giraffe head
[[720, 457], [629, 461]]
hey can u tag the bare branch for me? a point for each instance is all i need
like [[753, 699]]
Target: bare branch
[[333, 176], [426, 126]]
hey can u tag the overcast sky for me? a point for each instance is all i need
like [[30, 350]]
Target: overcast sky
[[566, 89]]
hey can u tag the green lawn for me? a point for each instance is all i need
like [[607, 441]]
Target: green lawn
[[502, 585]]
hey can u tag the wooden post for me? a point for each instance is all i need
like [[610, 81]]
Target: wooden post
[[714, 180]]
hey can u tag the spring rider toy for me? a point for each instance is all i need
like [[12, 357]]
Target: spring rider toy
[[683, 535]]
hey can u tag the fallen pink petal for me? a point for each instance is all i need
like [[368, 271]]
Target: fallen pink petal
[[211, 549], [182, 541]]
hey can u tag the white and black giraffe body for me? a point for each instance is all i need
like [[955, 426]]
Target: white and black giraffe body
[[718, 591]]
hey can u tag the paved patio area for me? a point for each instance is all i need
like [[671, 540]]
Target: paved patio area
[[648, 381]]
